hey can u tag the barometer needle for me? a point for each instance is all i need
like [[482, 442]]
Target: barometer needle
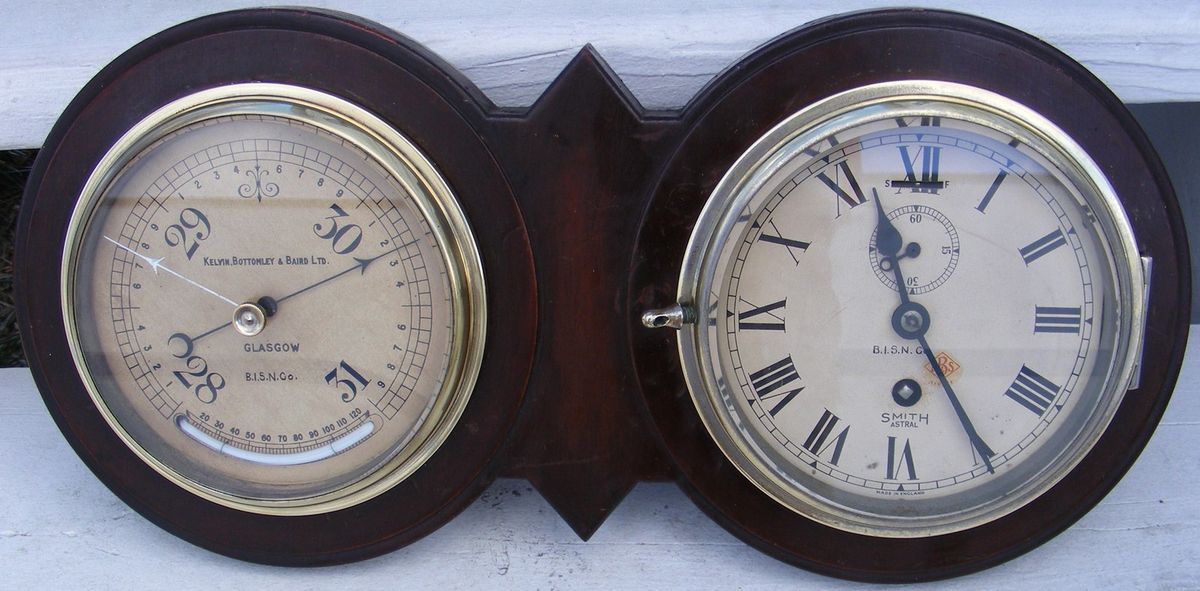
[[157, 264], [360, 264]]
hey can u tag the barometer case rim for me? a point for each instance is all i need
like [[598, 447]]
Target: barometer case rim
[[427, 102]]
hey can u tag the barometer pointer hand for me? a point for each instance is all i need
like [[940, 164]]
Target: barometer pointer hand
[[156, 264], [889, 242], [360, 264]]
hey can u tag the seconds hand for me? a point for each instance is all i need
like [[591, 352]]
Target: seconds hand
[[360, 264], [911, 321]]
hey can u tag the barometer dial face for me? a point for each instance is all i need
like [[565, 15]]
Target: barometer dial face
[[917, 307], [273, 298]]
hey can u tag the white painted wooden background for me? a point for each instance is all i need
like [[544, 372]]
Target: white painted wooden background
[[664, 50], [60, 528]]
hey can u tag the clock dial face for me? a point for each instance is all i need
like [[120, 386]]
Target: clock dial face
[[267, 302], [917, 315]]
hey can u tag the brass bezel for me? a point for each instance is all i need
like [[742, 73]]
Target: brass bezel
[[436, 202], [804, 129]]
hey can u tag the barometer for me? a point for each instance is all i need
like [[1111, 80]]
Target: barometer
[[271, 306]]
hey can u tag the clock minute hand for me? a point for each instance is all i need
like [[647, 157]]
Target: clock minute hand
[[977, 442], [889, 243]]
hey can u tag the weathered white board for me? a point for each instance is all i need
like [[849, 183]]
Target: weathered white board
[[61, 529], [665, 51]]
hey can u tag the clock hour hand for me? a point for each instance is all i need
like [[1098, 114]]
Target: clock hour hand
[[887, 237], [911, 321]]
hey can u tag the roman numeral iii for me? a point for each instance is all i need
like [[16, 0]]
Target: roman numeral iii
[[1049, 319]]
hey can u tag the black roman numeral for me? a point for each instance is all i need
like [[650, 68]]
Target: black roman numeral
[[818, 439], [772, 378], [1042, 246], [904, 459], [793, 246], [991, 192], [1057, 320], [745, 321], [852, 200], [930, 158], [1032, 390]]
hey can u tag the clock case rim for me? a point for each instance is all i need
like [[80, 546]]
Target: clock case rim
[[702, 470], [448, 131], [872, 103]]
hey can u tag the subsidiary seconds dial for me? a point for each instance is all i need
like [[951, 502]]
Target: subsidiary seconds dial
[[274, 300]]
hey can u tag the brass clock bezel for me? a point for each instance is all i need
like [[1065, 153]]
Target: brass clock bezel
[[801, 130]]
